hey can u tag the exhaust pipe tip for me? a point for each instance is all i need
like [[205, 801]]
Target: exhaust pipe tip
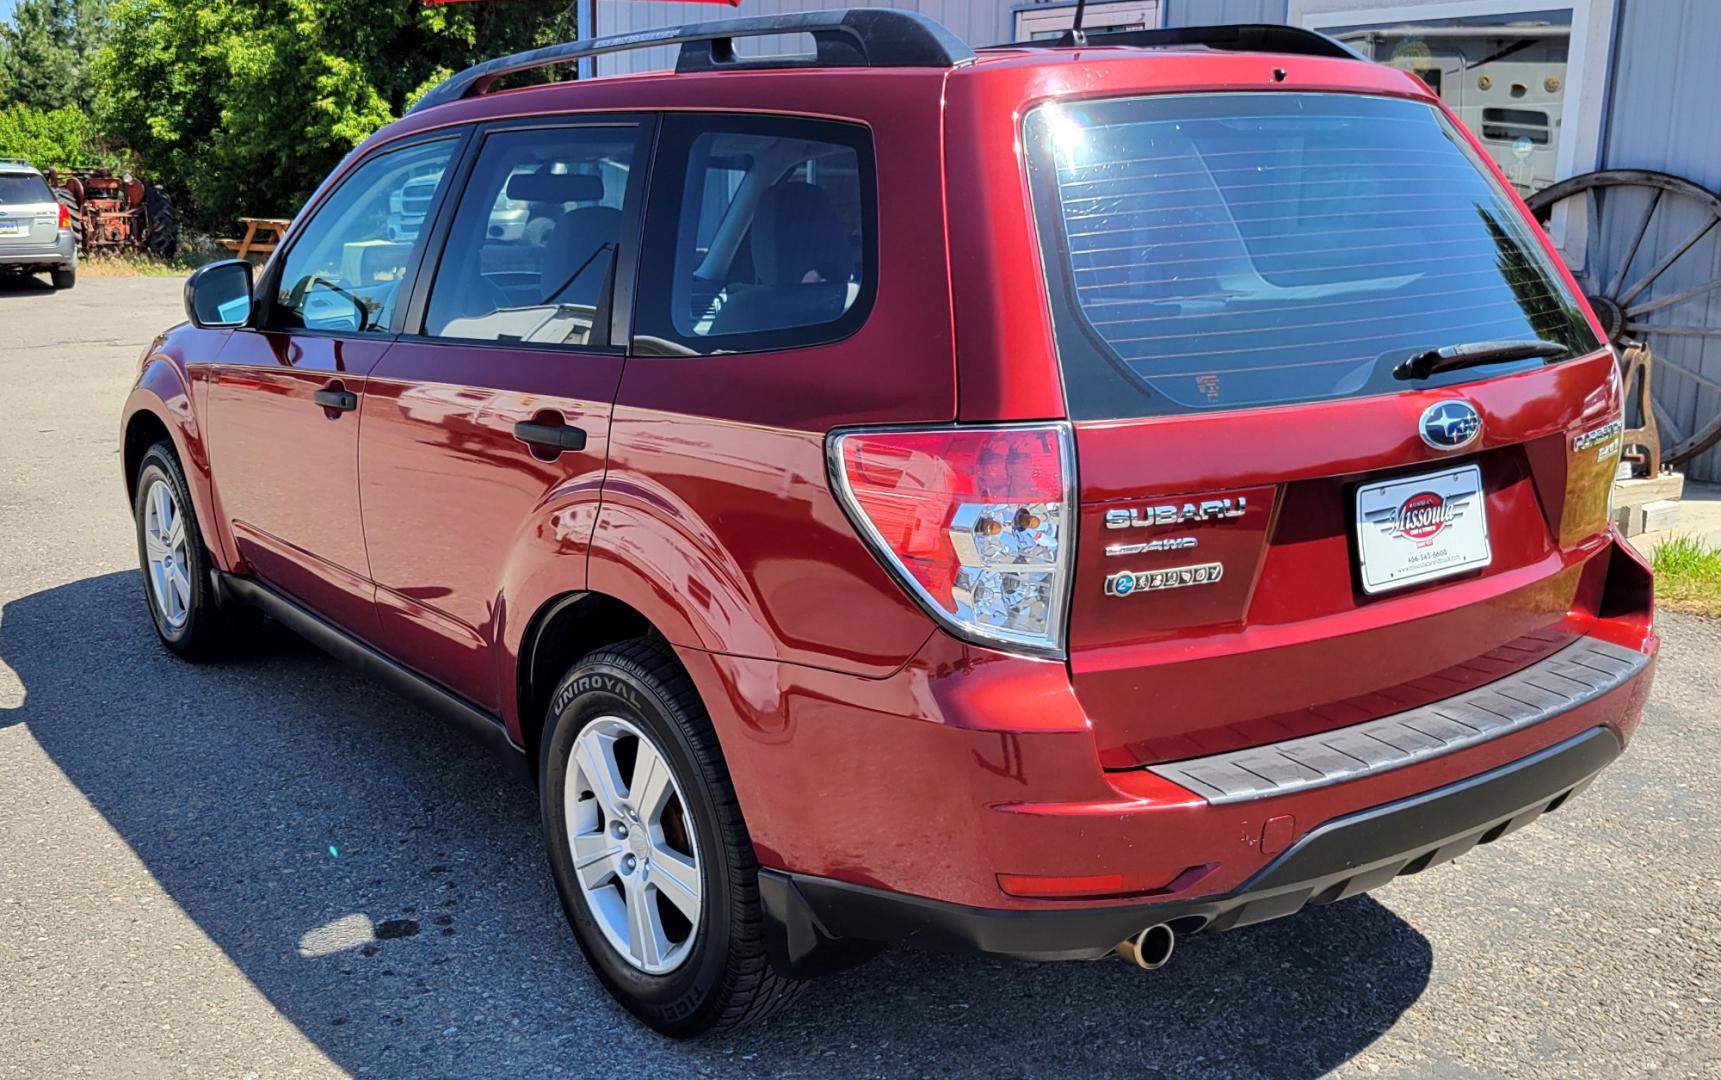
[[1150, 949]]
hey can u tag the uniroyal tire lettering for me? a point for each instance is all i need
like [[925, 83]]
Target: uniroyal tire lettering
[[598, 681]]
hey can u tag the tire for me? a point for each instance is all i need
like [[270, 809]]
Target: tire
[[162, 237], [722, 979], [193, 624], [64, 279], [65, 198]]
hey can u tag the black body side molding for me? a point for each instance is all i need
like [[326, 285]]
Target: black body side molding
[[422, 691]]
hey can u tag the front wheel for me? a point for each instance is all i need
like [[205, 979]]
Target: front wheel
[[648, 848], [176, 578]]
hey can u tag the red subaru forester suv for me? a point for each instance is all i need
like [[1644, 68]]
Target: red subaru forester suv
[[1044, 500]]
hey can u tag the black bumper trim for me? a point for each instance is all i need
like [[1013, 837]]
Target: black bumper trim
[[808, 918]]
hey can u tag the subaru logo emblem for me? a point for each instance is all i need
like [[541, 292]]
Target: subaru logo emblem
[[1450, 425]]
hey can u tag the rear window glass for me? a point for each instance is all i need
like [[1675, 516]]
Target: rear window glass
[[24, 188], [1237, 250]]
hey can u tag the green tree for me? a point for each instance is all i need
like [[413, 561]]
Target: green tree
[[47, 53], [245, 105]]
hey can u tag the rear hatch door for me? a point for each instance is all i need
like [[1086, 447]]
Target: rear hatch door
[[1284, 525]]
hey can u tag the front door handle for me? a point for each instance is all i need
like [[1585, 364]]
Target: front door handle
[[339, 400], [556, 437]]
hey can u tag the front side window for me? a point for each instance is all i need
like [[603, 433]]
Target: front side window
[[760, 237], [534, 241], [1235, 250], [345, 269]]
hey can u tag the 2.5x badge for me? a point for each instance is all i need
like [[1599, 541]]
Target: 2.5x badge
[[1178, 577]]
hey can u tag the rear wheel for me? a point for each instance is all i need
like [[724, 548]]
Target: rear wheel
[[162, 240], [648, 848], [65, 198], [64, 279]]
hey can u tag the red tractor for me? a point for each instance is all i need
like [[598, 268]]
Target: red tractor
[[116, 213]]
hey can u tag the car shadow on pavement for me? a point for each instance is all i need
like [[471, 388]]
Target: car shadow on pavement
[[381, 881], [23, 284]]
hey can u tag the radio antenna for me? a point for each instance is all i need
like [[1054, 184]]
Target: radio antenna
[[1074, 35]]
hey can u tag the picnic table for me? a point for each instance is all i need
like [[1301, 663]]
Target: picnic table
[[262, 235]]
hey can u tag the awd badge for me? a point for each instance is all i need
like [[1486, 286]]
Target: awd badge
[[1177, 577]]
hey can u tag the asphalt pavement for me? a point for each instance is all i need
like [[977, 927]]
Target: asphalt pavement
[[270, 867]]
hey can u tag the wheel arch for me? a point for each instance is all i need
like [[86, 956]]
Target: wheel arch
[[158, 408], [563, 630], [143, 430]]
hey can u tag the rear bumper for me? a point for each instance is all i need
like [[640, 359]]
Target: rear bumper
[[1341, 858], [62, 254], [961, 801]]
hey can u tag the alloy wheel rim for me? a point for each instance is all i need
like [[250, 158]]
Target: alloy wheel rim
[[165, 554], [635, 856]]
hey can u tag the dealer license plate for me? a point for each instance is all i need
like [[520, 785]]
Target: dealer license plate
[[1421, 528]]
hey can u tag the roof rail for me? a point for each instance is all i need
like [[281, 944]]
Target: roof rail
[[853, 37], [1239, 37], [16, 161]]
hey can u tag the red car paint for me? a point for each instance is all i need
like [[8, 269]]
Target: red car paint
[[866, 743]]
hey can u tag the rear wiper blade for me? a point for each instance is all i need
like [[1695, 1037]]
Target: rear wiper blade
[[1424, 364]]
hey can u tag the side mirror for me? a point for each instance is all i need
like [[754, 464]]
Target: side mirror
[[218, 295]]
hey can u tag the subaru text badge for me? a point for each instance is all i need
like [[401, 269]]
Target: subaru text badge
[[1189, 513]]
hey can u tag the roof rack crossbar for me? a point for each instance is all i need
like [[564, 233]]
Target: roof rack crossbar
[[1238, 37], [843, 38]]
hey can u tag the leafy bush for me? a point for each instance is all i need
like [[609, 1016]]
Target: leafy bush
[[53, 139]]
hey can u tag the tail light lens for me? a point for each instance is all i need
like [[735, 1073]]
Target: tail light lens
[[65, 216], [977, 523]]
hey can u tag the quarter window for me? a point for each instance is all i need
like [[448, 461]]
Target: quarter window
[[759, 237], [345, 269], [534, 241]]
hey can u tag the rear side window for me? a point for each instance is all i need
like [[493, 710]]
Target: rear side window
[[759, 235], [24, 188], [1237, 250]]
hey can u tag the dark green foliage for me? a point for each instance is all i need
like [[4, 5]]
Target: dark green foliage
[[240, 107], [47, 52]]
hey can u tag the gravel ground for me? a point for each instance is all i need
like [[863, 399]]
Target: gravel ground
[[184, 852]]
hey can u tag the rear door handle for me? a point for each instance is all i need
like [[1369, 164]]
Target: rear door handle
[[339, 400], [552, 436]]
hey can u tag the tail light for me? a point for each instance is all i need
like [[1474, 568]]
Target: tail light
[[65, 216], [977, 524]]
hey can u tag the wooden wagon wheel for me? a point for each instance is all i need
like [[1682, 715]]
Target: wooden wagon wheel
[[1665, 295]]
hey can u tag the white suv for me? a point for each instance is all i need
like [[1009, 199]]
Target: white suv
[[35, 227]]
